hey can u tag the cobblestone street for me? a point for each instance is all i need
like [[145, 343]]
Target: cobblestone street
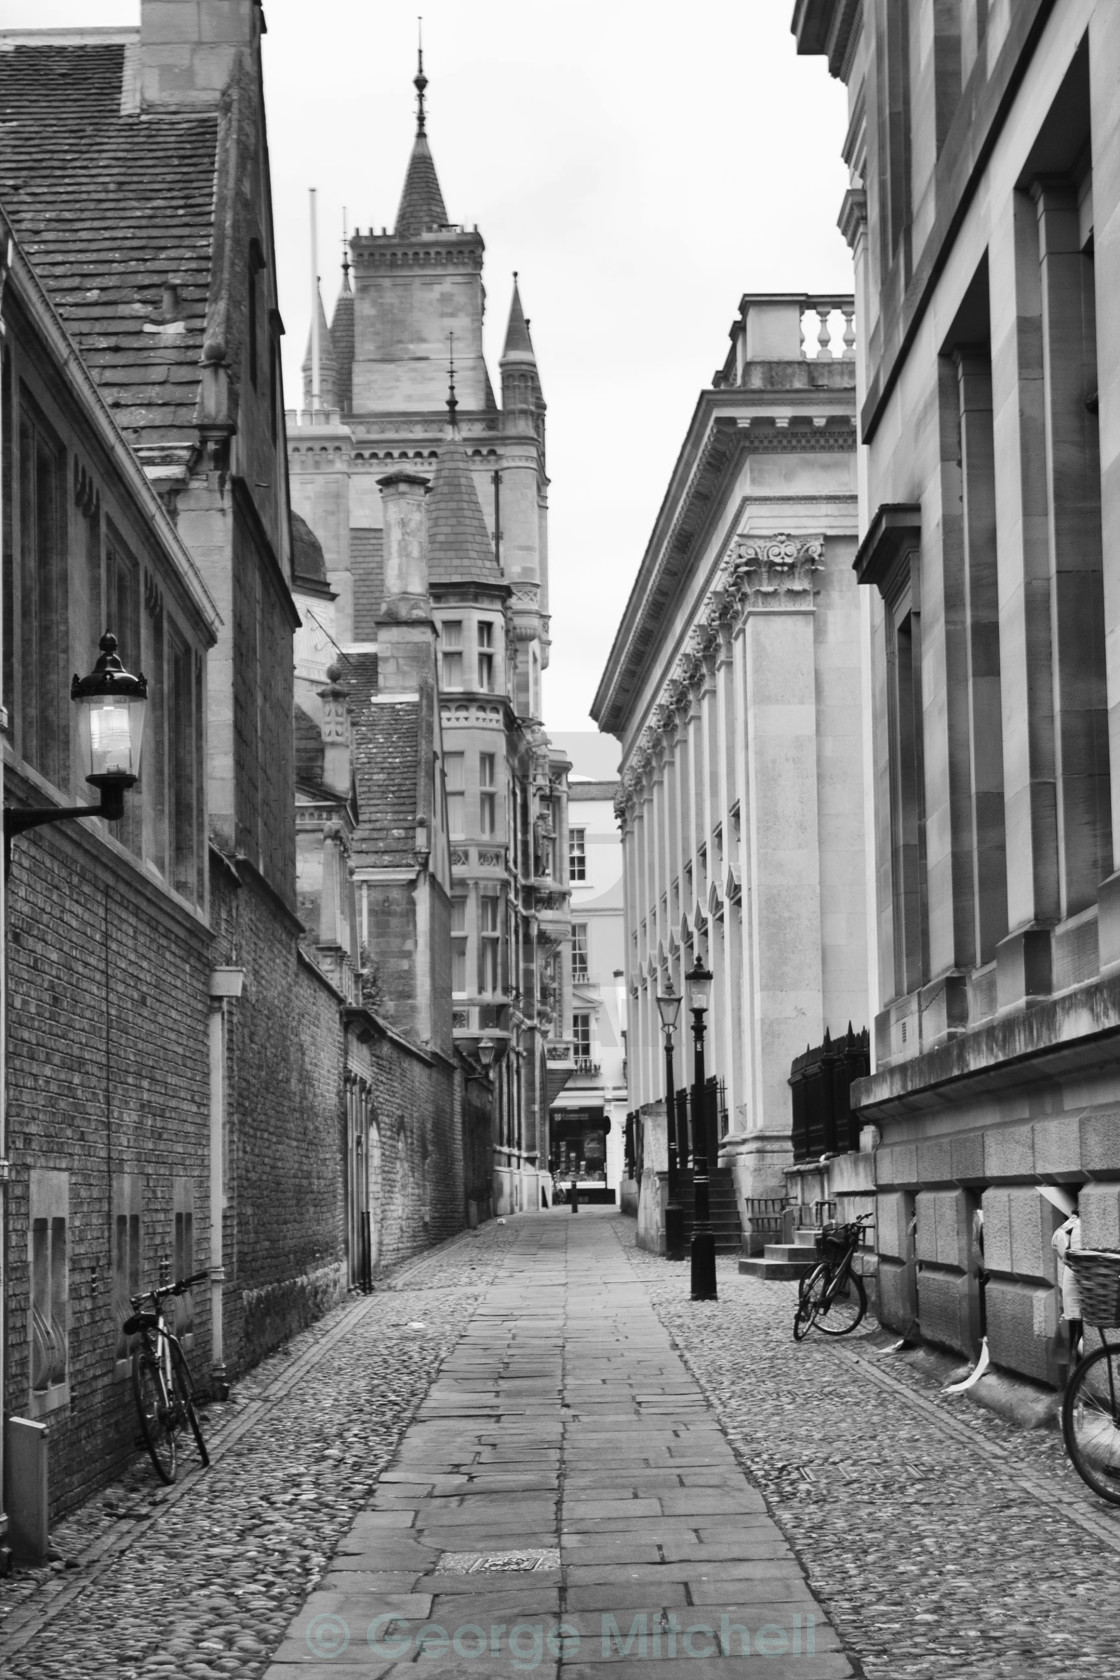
[[516, 1402]]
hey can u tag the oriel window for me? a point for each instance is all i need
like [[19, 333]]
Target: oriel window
[[486, 656], [487, 795]]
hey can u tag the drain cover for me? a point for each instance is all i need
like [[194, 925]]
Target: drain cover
[[524, 1562]]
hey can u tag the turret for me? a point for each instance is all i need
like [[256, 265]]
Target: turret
[[411, 288], [522, 400], [524, 504]]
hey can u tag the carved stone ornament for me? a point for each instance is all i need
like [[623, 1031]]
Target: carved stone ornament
[[777, 571]]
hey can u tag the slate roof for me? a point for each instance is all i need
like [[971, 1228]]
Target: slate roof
[[110, 207], [421, 203], [386, 752], [308, 563], [460, 549]]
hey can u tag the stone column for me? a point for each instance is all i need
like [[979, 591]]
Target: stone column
[[1019, 431]]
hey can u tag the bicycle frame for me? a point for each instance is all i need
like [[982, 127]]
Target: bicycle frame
[[162, 1383]]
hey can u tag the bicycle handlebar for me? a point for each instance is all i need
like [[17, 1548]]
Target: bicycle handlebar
[[167, 1289]]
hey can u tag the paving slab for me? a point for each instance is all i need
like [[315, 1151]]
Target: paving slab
[[564, 1502]]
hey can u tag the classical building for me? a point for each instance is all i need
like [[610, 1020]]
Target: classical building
[[587, 1120], [984, 150], [398, 384], [734, 686]]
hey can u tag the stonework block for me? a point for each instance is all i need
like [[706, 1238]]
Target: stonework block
[[1022, 1325], [893, 1214], [1099, 1206], [226, 20], [942, 1234], [1057, 1147], [996, 1206], [1009, 1152], [1032, 1220], [169, 21], [935, 1161], [897, 1164], [947, 1308], [1100, 1141], [898, 1295], [968, 1157]]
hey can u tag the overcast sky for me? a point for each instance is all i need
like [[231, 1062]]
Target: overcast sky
[[640, 163]]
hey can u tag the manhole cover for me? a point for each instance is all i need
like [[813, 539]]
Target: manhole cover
[[524, 1562]]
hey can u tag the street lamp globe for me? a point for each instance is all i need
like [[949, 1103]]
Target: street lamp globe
[[111, 706], [668, 1007], [699, 982]]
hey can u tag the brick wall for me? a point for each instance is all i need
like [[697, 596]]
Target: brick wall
[[418, 1109], [286, 1209], [367, 568], [107, 1075]]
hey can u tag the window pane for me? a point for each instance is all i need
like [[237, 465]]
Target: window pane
[[577, 859], [579, 950], [454, 769], [451, 634], [486, 763]]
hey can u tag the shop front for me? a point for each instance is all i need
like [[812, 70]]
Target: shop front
[[578, 1153]]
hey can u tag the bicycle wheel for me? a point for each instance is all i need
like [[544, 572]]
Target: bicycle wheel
[[184, 1394], [153, 1405], [810, 1300], [1091, 1422], [843, 1307]]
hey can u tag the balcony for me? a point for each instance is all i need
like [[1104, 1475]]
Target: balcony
[[586, 1069]]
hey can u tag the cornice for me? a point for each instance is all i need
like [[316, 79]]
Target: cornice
[[720, 436], [759, 573]]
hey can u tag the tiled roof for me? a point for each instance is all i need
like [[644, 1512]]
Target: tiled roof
[[307, 552], [386, 750], [342, 340], [460, 549], [110, 207], [421, 203]]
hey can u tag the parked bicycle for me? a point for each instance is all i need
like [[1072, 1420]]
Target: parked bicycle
[[1091, 1407], [832, 1295], [161, 1379]]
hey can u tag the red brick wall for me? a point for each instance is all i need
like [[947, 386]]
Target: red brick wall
[[418, 1104], [285, 1219], [107, 1073]]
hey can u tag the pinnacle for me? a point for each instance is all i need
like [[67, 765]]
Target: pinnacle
[[519, 346]]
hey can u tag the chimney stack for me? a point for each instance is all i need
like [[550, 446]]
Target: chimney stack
[[405, 631], [189, 48]]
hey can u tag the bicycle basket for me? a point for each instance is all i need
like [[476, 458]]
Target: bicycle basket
[[139, 1321], [1098, 1282], [834, 1241]]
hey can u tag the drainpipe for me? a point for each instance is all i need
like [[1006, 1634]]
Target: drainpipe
[[5, 1165], [225, 983]]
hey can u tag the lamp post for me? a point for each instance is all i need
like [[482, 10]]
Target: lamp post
[[669, 1007], [111, 706], [703, 1256]]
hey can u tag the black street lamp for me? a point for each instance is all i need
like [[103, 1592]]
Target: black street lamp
[[669, 1007], [111, 706], [699, 982]]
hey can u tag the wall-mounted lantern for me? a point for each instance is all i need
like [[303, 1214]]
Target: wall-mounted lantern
[[111, 705]]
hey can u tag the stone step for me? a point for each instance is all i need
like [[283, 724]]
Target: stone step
[[802, 1253], [775, 1271]]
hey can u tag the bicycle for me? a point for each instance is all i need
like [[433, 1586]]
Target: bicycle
[[161, 1379], [1091, 1407], [832, 1296]]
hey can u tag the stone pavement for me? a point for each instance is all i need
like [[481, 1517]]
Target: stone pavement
[[563, 1502], [421, 1455]]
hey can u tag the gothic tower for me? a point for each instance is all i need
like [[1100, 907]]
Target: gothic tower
[[412, 301]]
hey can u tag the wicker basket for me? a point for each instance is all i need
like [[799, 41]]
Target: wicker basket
[[1098, 1282]]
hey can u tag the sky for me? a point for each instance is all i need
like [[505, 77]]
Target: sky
[[641, 164]]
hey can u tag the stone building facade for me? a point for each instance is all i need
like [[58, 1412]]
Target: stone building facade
[[984, 150], [734, 685], [398, 384]]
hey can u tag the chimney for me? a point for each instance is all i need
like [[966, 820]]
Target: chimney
[[405, 631], [189, 48], [335, 729]]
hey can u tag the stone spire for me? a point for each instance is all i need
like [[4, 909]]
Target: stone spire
[[421, 205], [342, 336], [328, 367], [519, 346]]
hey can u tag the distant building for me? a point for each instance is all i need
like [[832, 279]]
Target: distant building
[[397, 384], [734, 686], [983, 202], [587, 1120]]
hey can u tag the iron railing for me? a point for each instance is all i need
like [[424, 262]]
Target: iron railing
[[820, 1081]]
